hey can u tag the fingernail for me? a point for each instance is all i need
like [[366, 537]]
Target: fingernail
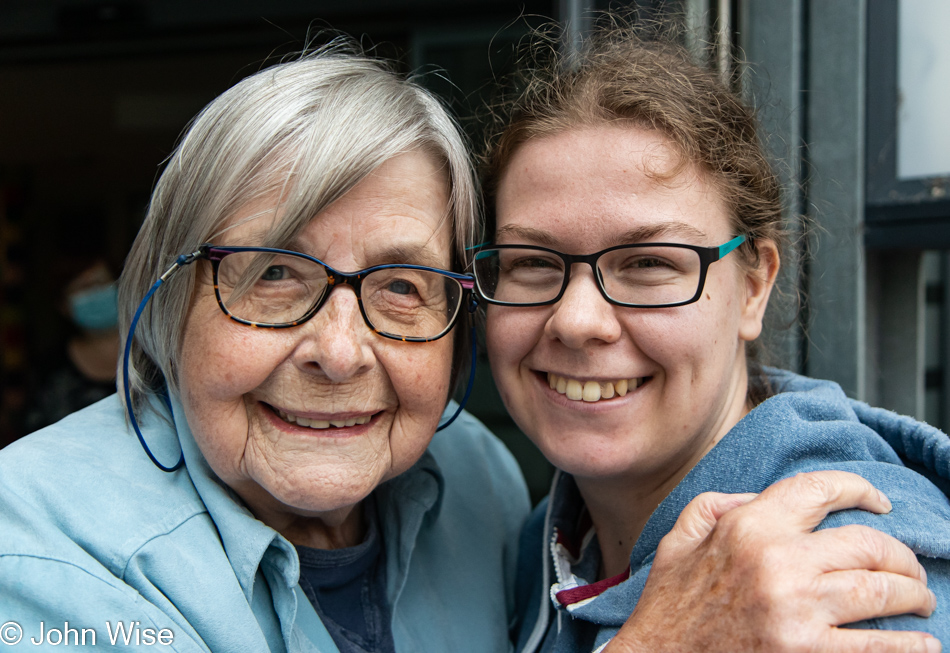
[[933, 645], [884, 500], [933, 599]]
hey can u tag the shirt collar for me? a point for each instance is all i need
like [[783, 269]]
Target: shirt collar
[[405, 504], [246, 539]]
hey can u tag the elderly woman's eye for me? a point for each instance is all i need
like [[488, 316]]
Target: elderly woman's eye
[[275, 273], [401, 287]]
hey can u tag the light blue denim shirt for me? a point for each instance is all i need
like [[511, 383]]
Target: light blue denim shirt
[[809, 425], [91, 533]]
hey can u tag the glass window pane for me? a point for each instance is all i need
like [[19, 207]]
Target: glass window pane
[[923, 59]]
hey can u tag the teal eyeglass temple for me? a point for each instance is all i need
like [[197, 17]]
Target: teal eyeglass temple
[[186, 259], [731, 245]]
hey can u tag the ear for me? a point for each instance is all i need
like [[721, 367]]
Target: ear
[[759, 283]]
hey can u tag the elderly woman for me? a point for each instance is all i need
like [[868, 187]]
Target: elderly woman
[[303, 417], [637, 235], [291, 359]]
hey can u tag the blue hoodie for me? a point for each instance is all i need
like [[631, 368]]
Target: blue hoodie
[[809, 425]]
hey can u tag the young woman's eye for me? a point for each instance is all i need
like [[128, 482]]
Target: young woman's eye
[[649, 262], [532, 263]]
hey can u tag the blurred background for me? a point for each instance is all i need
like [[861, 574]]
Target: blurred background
[[852, 95]]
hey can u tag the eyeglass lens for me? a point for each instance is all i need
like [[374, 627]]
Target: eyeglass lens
[[270, 288], [647, 276]]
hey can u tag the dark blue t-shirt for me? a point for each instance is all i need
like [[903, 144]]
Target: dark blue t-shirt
[[347, 587]]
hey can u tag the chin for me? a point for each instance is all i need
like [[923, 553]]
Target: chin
[[322, 495], [596, 469], [587, 456]]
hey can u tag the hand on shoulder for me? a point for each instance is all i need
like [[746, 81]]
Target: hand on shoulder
[[747, 573]]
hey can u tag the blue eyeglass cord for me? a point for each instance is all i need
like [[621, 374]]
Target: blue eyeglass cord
[[471, 383], [181, 261], [128, 391]]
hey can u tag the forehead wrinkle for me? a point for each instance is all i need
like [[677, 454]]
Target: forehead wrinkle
[[248, 235], [392, 254], [407, 255]]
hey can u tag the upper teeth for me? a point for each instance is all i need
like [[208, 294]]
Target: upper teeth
[[322, 423], [591, 390]]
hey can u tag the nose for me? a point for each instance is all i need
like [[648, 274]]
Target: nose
[[582, 315], [336, 341]]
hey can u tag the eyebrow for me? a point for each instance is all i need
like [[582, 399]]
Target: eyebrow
[[528, 234], [637, 235], [395, 255], [409, 255], [663, 229]]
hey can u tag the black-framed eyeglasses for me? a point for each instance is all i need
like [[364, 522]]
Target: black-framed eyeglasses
[[277, 288], [644, 275]]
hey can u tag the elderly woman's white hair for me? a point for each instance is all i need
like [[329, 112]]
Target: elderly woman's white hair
[[304, 133]]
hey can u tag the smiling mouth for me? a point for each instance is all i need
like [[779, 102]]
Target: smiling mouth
[[322, 423], [591, 391]]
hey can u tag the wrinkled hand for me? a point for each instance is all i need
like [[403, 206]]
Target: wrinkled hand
[[746, 573]]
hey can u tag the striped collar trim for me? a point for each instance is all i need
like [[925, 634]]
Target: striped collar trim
[[571, 591]]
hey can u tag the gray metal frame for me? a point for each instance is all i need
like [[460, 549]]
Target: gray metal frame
[[909, 213], [818, 85]]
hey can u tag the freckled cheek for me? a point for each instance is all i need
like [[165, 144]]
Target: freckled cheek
[[232, 364], [674, 336], [420, 380], [220, 428], [420, 373], [511, 334], [223, 448]]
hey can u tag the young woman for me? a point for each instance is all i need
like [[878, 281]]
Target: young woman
[[636, 238]]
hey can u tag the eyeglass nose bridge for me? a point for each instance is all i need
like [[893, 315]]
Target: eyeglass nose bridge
[[591, 260], [335, 278]]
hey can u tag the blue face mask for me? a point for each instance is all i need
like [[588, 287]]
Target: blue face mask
[[95, 309]]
